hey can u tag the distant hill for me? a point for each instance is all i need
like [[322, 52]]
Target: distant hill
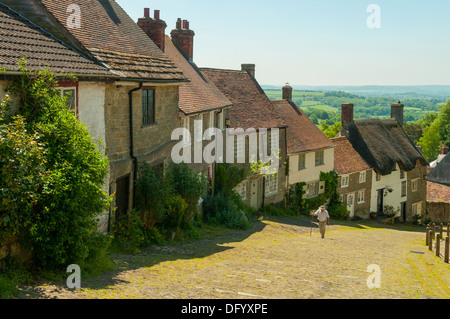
[[324, 104], [397, 92]]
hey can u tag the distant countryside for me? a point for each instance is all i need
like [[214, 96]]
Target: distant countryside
[[324, 106]]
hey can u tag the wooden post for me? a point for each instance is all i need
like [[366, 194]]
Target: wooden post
[[446, 257], [441, 228], [430, 240], [433, 229], [448, 230], [427, 235], [438, 245]]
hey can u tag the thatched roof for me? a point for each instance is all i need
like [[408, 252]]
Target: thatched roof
[[441, 173], [382, 144]]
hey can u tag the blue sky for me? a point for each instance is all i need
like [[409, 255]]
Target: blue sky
[[317, 42]]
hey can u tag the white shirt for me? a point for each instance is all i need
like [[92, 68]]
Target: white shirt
[[322, 215]]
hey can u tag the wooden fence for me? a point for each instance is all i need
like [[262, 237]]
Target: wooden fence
[[441, 245]]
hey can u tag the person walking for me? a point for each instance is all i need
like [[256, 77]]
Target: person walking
[[324, 219]]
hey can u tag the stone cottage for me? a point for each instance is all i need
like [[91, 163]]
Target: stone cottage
[[399, 169], [438, 191], [252, 111], [201, 104], [355, 178], [128, 91], [309, 151]]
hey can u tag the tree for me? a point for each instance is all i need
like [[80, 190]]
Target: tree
[[61, 226], [431, 142]]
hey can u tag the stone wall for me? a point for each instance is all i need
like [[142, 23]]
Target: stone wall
[[360, 209], [438, 212], [9, 247], [418, 196]]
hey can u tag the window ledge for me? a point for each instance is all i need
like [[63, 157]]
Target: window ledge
[[271, 194], [149, 125]]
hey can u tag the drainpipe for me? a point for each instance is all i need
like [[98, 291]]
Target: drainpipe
[[133, 157]]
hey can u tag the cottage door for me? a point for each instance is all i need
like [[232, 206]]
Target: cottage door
[[254, 194], [403, 208], [351, 204], [380, 198], [122, 196]]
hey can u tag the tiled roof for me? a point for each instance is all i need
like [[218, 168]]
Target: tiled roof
[[251, 106], [20, 38], [200, 94], [346, 159], [302, 134], [107, 33], [382, 144], [441, 173], [137, 66], [438, 192]]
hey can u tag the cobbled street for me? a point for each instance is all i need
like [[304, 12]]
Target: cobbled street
[[276, 259]]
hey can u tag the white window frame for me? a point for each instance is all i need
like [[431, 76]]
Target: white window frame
[[362, 177], [345, 178], [322, 158], [304, 162], [415, 185], [404, 189], [312, 189], [241, 189], [200, 128], [239, 145], [361, 196], [417, 209], [69, 88], [185, 122], [271, 184], [221, 122], [211, 119]]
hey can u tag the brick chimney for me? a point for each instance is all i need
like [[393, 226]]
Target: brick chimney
[[444, 150], [154, 28], [397, 112], [287, 92], [249, 68], [183, 38], [347, 115]]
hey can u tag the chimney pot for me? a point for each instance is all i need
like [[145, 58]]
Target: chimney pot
[[444, 150], [287, 92], [249, 68], [347, 115], [183, 38], [397, 112], [154, 28]]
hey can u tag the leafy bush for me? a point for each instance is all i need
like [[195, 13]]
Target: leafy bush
[[128, 233], [190, 185], [59, 215], [168, 200], [272, 210], [336, 208], [227, 210]]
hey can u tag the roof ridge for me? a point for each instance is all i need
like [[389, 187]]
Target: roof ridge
[[223, 70]]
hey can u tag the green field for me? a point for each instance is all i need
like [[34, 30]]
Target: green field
[[325, 106]]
